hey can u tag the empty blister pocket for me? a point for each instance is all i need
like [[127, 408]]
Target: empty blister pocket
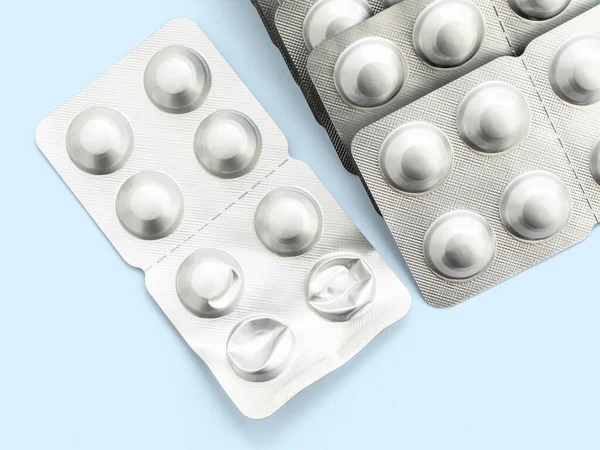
[[250, 257], [302, 25]]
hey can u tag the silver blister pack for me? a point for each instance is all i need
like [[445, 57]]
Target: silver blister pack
[[266, 11], [524, 20], [243, 248], [304, 24], [401, 54], [565, 67], [473, 182]]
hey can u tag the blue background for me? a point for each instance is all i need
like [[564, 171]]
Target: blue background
[[88, 361]]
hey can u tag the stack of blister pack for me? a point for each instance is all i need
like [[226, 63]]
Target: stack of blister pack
[[473, 123]]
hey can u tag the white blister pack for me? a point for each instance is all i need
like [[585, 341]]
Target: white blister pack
[[478, 190], [401, 54], [565, 67], [525, 20], [245, 251]]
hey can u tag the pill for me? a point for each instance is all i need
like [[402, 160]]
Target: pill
[[99, 141], [448, 33], [150, 205], [210, 283], [177, 80], [575, 70], [370, 72], [415, 157], [538, 9], [340, 288], [328, 18], [288, 221]]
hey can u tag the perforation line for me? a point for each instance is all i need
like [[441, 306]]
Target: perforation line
[[215, 218]]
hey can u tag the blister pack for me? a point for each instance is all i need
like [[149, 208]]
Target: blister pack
[[266, 10], [525, 20], [481, 189], [401, 54], [243, 248], [565, 67]]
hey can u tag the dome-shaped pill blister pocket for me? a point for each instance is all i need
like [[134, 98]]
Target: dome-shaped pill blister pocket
[[415, 158], [448, 33], [493, 118], [245, 251]]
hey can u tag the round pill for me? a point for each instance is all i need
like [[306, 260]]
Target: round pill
[[493, 117], [370, 72], [415, 158], [535, 206], [459, 245], [288, 221], [340, 288], [538, 9], [210, 283], [328, 18], [388, 3], [260, 348], [150, 205], [177, 80], [448, 33], [575, 70], [228, 144], [595, 162], [99, 141]]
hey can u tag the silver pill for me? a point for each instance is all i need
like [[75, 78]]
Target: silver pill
[[538, 9], [99, 141], [340, 288], [227, 144], [150, 205], [260, 348], [459, 245], [415, 158], [493, 117], [535, 206], [575, 70], [370, 72], [328, 18], [177, 80], [210, 283], [289, 221], [448, 33]]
